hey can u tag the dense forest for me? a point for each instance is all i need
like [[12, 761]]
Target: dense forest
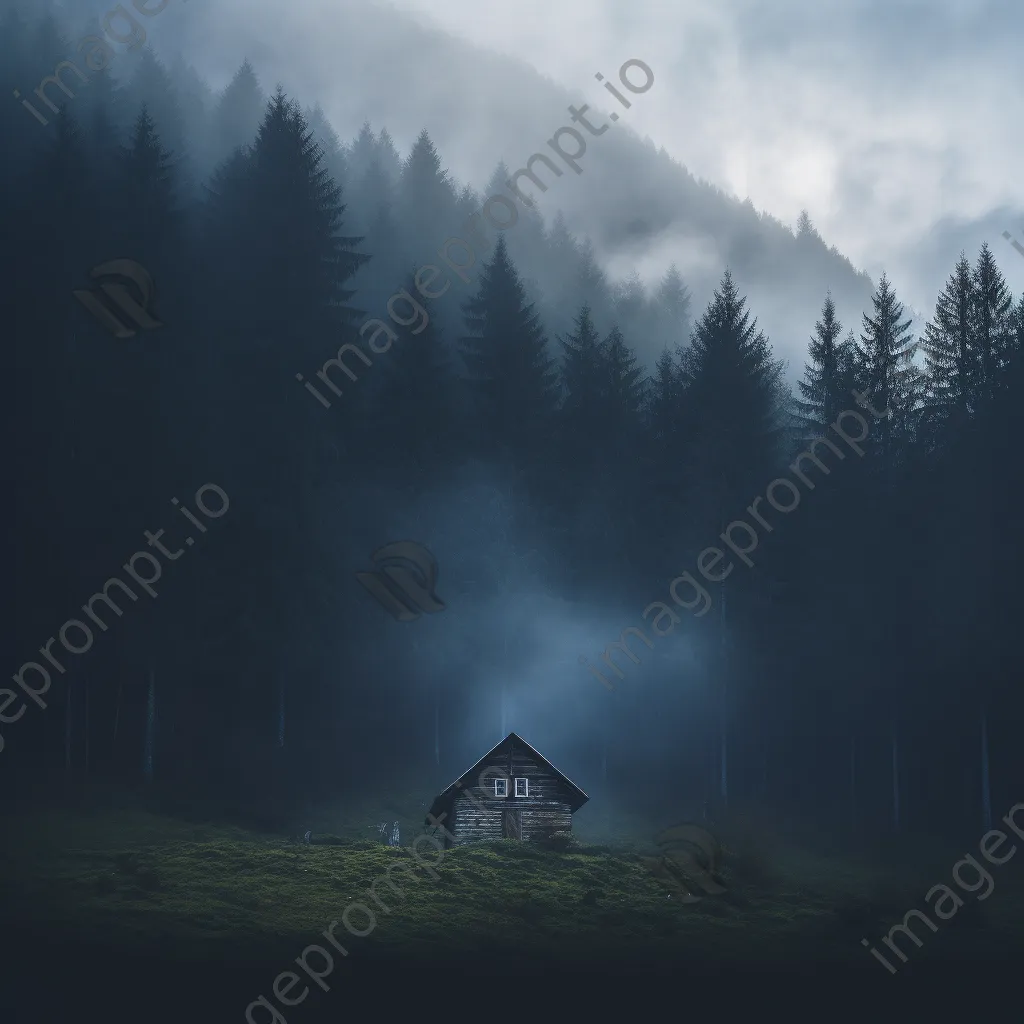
[[860, 670]]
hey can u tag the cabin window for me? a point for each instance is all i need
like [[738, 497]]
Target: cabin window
[[522, 787], [501, 787]]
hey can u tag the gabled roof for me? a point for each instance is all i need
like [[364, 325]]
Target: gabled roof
[[577, 797]]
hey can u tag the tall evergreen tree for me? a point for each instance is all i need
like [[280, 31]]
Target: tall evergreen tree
[[426, 199], [511, 376], [622, 475], [672, 309], [627, 383], [388, 157], [886, 372], [153, 88], [527, 244], [282, 304], [363, 151], [288, 179], [327, 139], [373, 201], [196, 101], [592, 285], [664, 399], [630, 302], [805, 229], [828, 375], [238, 113], [582, 434], [952, 365], [415, 406], [375, 221], [733, 385], [149, 213], [581, 370], [993, 323]]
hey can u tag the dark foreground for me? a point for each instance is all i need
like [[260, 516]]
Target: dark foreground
[[134, 916], [76, 983]]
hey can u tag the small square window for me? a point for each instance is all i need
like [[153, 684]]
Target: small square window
[[522, 787], [501, 787]]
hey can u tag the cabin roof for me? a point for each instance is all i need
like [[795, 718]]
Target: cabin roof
[[577, 797]]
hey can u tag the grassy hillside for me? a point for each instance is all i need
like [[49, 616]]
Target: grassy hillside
[[141, 880]]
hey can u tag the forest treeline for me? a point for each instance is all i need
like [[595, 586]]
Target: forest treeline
[[875, 633]]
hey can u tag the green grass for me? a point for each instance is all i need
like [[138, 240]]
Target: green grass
[[140, 879]]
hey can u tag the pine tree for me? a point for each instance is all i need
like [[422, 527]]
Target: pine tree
[[591, 284], [563, 248], [238, 113], [330, 145], [600, 423], [196, 102], [626, 384], [672, 309], [149, 216], [583, 380], [152, 87], [362, 152], [1010, 398], [375, 221], [415, 404], [952, 370], [563, 256], [283, 306], [622, 476], [886, 372], [373, 204], [805, 230], [387, 155], [527, 243], [828, 375], [630, 300], [581, 370], [512, 382], [664, 399], [1017, 330], [993, 324], [733, 387], [468, 203], [303, 208], [426, 199]]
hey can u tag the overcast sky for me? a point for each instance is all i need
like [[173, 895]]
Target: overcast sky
[[896, 123], [882, 117]]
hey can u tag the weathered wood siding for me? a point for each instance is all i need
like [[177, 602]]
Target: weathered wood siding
[[545, 809]]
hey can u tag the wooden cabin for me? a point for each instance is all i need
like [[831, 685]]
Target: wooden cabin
[[512, 792]]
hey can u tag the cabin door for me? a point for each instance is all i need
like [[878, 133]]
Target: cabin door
[[512, 824]]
